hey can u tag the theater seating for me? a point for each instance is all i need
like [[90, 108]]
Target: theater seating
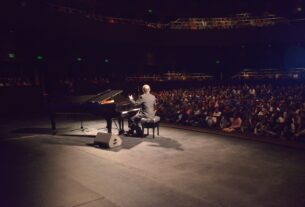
[[150, 124]]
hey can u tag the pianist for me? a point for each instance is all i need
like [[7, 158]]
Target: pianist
[[147, 103]]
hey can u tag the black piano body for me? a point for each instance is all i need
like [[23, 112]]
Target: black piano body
[[110, 105]]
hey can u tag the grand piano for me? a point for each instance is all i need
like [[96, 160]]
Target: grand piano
[[110, 105]]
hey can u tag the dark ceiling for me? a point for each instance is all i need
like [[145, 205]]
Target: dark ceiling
[[167, 10], [30, 28]]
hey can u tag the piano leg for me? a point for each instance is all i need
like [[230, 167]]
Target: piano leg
[[53, 122], [109, 124], [122, 121], [121, 125]]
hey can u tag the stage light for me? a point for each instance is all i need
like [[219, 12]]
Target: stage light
[[106, 61], [79, 59], [299, 9], [11, 55], [217, 62], [39, 57], [150, 11]]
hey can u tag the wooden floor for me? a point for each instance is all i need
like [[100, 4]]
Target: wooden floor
[[179, 168]]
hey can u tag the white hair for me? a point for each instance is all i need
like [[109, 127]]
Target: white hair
[[146, 88]]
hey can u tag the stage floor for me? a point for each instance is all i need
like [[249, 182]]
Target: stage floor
[[178, 168]]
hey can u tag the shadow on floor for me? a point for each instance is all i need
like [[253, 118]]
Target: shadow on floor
[[165, 143], [33, 131], [128, 142], [67, 137]]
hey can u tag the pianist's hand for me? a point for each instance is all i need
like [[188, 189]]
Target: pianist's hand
[[130, 97]]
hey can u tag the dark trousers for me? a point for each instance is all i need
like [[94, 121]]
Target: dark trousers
[[134, 123]]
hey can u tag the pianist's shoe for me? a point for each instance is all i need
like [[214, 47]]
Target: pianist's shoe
[[139, 132], [135, 133], [130, 133]]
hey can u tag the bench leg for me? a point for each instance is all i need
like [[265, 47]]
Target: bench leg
[[147, 130], [153, 132], [158, 129]]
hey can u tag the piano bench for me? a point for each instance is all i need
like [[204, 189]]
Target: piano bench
[[151, 124]]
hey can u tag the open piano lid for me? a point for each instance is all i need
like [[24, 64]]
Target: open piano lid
[[83, 99], [104, 97]]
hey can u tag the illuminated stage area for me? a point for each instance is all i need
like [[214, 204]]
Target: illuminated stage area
[[220, 85], [177, 168]]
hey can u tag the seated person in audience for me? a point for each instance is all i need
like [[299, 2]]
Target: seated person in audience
[[236, 122], [216, 116], [301, 128], [224, 121], [281, 125], [209, 120]]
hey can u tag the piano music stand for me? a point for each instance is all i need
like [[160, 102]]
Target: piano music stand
[[82, 128]]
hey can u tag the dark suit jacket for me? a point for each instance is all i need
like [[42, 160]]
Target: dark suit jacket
[[147, 102]]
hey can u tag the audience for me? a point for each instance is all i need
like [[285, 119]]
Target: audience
[[264, 110], [78, 85], [15, 82]]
